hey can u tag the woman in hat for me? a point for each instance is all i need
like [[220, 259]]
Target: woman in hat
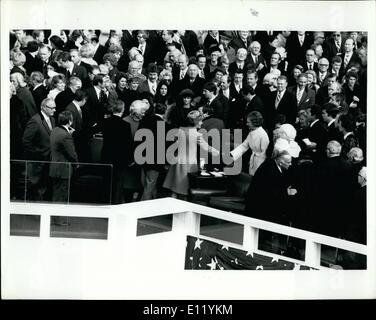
[[188, 138], [178, 113]]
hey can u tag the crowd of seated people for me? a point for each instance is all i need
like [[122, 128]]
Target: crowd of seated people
[[299, 99]]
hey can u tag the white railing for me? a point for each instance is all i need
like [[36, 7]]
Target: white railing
[[122, 224]]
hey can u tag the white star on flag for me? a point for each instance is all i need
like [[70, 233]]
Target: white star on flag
[[249, 253], [190, 258], [259, 268], [274, 260], [198, 244], [224, 247], [297, 266], [212, 265]]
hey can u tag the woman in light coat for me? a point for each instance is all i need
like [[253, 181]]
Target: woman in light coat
[[257, 140]]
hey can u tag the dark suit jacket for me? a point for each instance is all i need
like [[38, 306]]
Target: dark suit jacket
[[36, 138], [354, 58], [63, 99], [190, 42], [16, 127], [234, 66], [238, 43], [307, 100], [318, 134], [32, 64], [322, 96], [250, 62], [117, 142], [330, 49], [128, 40], [98, 56], [296, 52], [197, 85], [323, 82], [267, 193], [144, 87], [77, 118], [220, 107], [39, 94], [208, 42], [351, 141], [304, 64], [334, 133], [28, 102], [95, 109], [62, 152], [287, 106]]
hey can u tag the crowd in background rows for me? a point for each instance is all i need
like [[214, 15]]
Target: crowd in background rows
[[300, 99]]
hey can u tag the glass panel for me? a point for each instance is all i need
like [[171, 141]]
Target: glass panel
[[78, 227], [25, 225], [221, 229], [41, 181], [154, 225], [17, 180], [91, 183], [281, 244], [342, 259]]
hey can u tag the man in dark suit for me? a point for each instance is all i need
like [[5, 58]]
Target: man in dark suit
[[193, 82], [153, 168], [145, 46], [281, 102], [151, 83], [99, 50], [243, 40], [239, 63], [63, 153], [80, 125], [305, 97], [212, 39], [33, 63], [220, 108], [334, 46], [39, 91], [309, 62], [322, 73], [329, 113], [190, 42], [268, 193], [44, 54], [255, 60], [334, 181], [72, 69], [349, 55], [346, 125], [36, 142], [128, 40], [117, 148], [297, 45], [322, 95], [66, 97]]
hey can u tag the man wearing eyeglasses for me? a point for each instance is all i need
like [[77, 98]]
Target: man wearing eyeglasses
[[334, 46], [36, 143], [322, 73]]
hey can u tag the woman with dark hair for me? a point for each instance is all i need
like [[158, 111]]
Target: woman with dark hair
[[57, 85], [352, 90], [74, 40], [121, 86], [162, 92], [295, 72], [257, 140], [56, 43], [178, 113], [188, 140]]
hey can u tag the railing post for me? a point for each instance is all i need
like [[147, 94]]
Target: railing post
[[45, 225], [312, 254], [250, 238], [188, 222]]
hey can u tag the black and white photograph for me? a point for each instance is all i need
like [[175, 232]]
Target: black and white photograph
[[171, 149]]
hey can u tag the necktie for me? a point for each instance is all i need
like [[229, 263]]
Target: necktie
[[102, 97], [202, 74], [277, 100], [49, 123], [141, 47], [256, 59], [346, 60], [310, 66], [300, 40], [181, 75], [80, 112]]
